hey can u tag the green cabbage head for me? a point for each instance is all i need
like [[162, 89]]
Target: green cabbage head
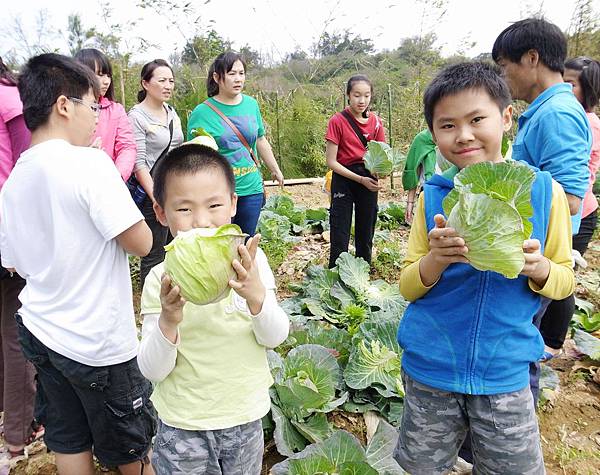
[[490, 208], [199, 262]]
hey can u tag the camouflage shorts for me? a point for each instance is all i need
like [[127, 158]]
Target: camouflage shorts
[[234, 451], [504, 431]]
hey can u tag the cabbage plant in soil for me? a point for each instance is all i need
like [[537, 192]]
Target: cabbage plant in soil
[[343, 454], [199, 262], [490, 207], [308, 385]]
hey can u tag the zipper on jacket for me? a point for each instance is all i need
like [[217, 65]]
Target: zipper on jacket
[[470, 385]]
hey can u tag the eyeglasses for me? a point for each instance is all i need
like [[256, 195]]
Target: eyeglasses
[[94, 105]]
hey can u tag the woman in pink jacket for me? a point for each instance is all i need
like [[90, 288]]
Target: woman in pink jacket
[[113, 132]]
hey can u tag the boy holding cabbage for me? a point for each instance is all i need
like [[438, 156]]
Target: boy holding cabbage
[[467, 334], [207, 352]]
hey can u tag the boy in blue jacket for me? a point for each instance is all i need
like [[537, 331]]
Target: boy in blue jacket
[[467, 335]]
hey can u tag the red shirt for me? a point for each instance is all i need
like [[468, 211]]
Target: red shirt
[[350, 148]]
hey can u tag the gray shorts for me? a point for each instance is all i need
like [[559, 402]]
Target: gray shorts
[[504, 431], [234, 451]]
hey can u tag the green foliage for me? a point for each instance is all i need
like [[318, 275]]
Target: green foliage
[[587, 344], [585, 317], [343, 454], [388, 259], [203, 49], [308, 384], [391, 215], [335, 44], [490, 207]]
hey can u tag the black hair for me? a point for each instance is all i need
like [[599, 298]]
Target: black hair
[[221, 66], [47, 77], [148, 72], [532, 33], [463, 76], [6, 76], [589, 79], [350, 84], [188, 159], [100, 64]]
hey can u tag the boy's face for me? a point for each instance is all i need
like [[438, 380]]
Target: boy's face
[[79, 119], [468, 127], [196, 200]]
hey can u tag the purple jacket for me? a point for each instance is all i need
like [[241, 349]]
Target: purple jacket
[[116, 134]]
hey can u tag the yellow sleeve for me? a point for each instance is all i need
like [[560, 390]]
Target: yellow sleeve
[[561, 280], [411, 285]]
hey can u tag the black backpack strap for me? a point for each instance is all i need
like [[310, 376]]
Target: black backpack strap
[[355, 127]]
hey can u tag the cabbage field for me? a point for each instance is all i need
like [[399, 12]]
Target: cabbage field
[[338, 395]]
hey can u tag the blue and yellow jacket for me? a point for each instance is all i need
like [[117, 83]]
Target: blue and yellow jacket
[[471, 332]]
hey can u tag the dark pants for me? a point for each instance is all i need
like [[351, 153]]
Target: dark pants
[[555, 322], [248, 211], [160, 237], [16, 373], [346, 194]]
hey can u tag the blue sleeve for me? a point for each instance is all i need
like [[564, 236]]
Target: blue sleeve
[[562, 141]]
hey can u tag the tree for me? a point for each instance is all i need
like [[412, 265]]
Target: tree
[[582, 33], [419, 50], [337, 43], [202, 49], [77, 35]]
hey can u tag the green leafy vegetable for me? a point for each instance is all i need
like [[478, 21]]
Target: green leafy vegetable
[[199, 262], [587, 344], [375, 359], [381, 160], [342, 454], [490, 208], [308, 384]]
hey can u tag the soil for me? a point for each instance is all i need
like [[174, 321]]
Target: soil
[[569, 422]]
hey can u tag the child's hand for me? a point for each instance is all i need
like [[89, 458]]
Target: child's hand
[[370, 183], [537, 266], [445, 245], [172, 304], [248, 284]]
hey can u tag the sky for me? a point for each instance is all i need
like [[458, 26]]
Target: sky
[[276, 27]]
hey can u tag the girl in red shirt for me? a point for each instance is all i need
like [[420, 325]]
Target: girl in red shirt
[[348, 133]]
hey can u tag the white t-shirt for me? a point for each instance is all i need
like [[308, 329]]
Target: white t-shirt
[[61, 208]]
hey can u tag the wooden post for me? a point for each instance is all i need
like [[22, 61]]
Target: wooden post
[[278, 131], [391, 140]]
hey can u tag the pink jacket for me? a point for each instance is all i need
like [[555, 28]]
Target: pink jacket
[[589, 200], [116, 134]]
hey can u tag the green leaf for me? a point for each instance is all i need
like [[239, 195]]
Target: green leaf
[[375, 360], [493, 233], [380, 451], [588, 344], [549, 384], [354, 272], [287, 438], [378, 159], [387, 298], [315, 428]]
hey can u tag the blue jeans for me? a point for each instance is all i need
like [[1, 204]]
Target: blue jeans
[[248, 211]]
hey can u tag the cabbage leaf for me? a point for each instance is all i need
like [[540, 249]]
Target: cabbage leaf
[[490, 208], [199, 262]]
